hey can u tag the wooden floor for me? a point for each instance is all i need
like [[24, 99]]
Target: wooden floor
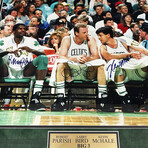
[[73, 118]]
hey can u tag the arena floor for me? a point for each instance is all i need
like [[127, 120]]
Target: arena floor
[[72, 118]]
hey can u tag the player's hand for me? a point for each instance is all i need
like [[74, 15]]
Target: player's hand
[[136, 55], [17, 52], [82, 59], [25, 48]]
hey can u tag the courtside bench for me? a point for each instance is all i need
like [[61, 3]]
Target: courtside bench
[[25, 83], [137, 90]]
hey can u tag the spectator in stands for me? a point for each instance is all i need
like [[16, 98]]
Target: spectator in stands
[[43, 24], [122, 9], [139, 22], [68, 8], [14, 13], [76, 51], [30, 10], [111, 4], [109, 22], [105, 14], [116, 8], [133, 28], [55, 41], [78, 7], [10, 26], [129, 5], [55, 14], [44, 7], [125, 24], [73, 20], [138, 11], [8, 18], [92, 3], [136, 6], [136, 36], [37, 67], [82, 2], [52, 6], [24, 2], [7, 29], [144, 35], [59, 23], [21, 13], [32, 31], [144, 15], [114, 49], [62, 14], [41, 31], [98, 7], [133, 2], [84, 12], [63, 31]]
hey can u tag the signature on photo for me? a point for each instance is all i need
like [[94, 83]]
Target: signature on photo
[[81, 69], [112, 67]]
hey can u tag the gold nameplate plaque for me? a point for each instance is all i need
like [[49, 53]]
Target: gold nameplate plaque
[[83, 139]]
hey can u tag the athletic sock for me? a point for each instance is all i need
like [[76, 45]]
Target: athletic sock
[[121, 90], [60, 87], [102, 90], [37, 88]]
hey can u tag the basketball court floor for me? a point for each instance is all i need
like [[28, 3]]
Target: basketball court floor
[[71, 118]]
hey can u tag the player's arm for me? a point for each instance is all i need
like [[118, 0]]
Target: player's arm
[[28, 49], [3, 53], [93, 49], [139, 49], [107, 56], [34, 48], [65, 44]]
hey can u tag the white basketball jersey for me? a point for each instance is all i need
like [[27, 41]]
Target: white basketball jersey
[[120, 49], [76, 50]]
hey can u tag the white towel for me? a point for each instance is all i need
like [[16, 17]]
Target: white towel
[[111, 66], [97, 62]]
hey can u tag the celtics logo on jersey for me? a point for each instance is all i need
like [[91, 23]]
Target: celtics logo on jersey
[[36, 43], [1, 43]]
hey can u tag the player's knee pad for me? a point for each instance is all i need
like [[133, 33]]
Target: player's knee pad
[[41, 62], [1, 62]]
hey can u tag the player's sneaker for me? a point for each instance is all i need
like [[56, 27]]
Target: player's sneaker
[[127, 107], [59, 104], [104, 104], [35, 103]]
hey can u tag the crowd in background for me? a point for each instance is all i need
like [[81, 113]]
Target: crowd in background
[[49, 21]]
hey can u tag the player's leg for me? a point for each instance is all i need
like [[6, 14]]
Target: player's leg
[[143, 73], [62, 74], [37, 68], [4, 69], [4, 73], [120, 78], [103, 102]]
